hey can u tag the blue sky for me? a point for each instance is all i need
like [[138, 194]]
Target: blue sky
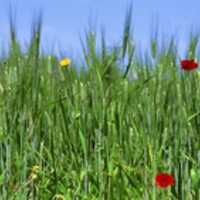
[[64, 21]]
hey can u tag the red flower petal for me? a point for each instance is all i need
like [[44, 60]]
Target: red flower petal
[[188, 64], [164, 180]]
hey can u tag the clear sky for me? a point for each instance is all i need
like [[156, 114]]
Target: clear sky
[[65, 20]]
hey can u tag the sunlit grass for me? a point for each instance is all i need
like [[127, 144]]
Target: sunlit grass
[[100, 133]]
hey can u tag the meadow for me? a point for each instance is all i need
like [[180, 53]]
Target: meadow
[[101, 130]]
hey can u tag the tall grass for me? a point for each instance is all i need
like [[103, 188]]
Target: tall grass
[[100, 133]]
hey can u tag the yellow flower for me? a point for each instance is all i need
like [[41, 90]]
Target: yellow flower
[[52, 170], [36, 168], [65, 62], [59, 197], [35, 171], [34, 176]]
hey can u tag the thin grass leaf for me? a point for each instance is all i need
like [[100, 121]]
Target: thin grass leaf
[[193, 116], [192, 46]]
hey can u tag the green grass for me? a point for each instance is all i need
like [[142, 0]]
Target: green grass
[[101, 133]]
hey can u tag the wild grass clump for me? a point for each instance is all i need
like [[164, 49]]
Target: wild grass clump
[[100, 133]]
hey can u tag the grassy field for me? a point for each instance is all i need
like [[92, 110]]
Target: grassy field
[[103, 133]]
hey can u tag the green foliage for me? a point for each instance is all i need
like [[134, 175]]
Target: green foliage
[[98, 133]]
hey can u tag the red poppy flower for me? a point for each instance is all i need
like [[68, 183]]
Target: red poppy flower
[[164, 180], [188, 65]]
